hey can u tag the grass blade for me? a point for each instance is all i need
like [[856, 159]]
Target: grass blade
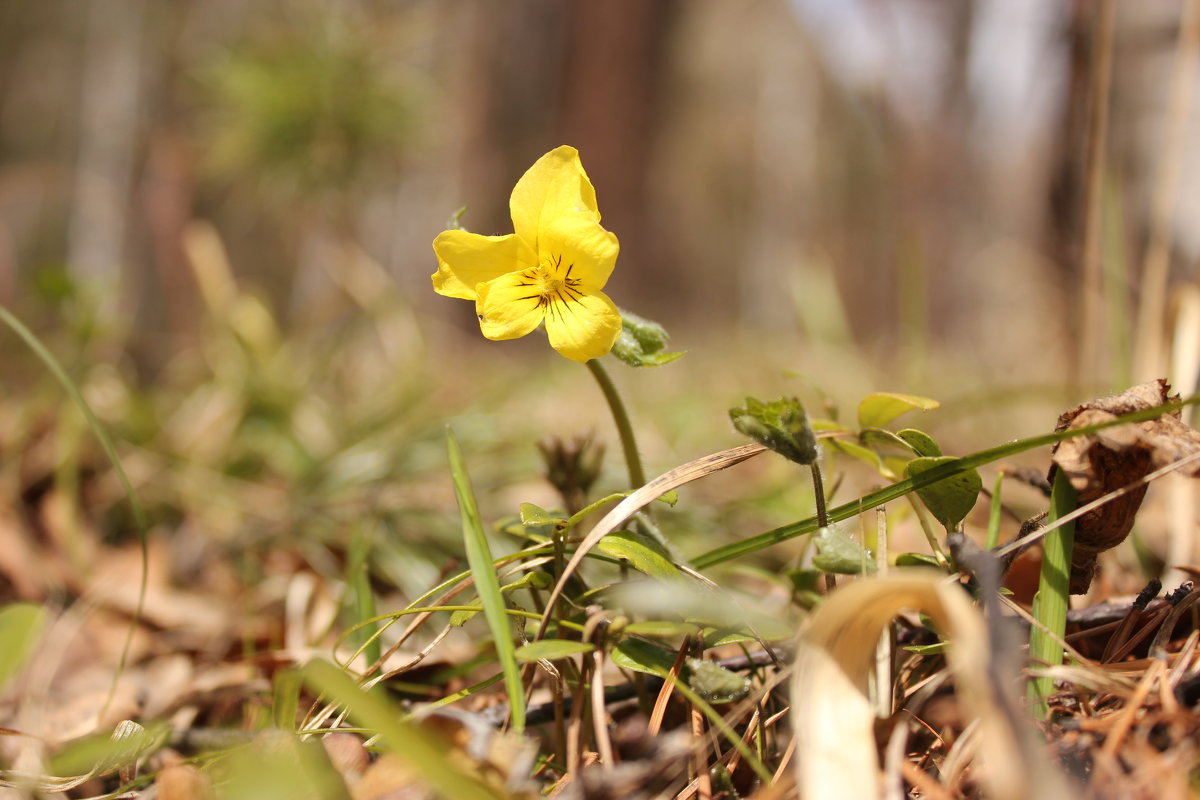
[[1050, 602], [373, 712], [139, 517], [479, 557], [362, 598]]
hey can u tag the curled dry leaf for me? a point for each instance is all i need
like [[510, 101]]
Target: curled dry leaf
[[836, 753], [1101, 462]]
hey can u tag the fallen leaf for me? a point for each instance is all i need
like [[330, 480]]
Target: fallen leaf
[[1099, 463]]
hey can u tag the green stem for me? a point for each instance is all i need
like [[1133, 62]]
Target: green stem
[[822, 514], [994, 513], [819, 495], [1050, 602], [637, 477]]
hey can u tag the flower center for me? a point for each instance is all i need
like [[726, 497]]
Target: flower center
[[555, 282]]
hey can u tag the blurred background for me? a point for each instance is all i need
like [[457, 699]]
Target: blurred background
[[219, 215], [901, 175]]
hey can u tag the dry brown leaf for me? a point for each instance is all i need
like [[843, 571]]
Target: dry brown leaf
[[390, 778], [1099, 463], [183, 782]]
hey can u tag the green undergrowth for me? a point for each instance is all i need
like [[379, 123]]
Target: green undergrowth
[[512, 614]]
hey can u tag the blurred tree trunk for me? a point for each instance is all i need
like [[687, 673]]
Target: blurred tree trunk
[[611, 102], [111, 88], [585, 73], [509, 101]]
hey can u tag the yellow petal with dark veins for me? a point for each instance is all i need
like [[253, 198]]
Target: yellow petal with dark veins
[[584, 248], [509, 306], [582, 327]]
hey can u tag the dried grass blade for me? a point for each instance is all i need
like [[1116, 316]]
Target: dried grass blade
[[691, 471]]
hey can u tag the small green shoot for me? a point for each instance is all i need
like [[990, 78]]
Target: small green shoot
[[1050, 602], [641, 342]]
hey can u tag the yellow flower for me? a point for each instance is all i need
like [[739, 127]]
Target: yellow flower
[[551, 269]]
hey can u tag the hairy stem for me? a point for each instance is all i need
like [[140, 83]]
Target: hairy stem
[[633, 462]]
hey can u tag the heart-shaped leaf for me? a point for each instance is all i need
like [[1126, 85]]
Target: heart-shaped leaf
[[838, 552], [951, 499]]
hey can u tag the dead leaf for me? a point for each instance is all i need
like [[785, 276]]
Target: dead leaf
[[183, 782], [390, 778], [1099, 463]]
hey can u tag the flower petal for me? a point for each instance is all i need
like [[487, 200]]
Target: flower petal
[[467, 259], [583, 328], [554, 186], [509, 306], [582, 245]]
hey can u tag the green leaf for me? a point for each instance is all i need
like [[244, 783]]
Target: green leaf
[[715, 683], [882, 438], [660, 629], [877, 410], [951, 499], [917, 560], [719, 637], [780, 425], [769, 627], [479, 557], [855, 450], [552, 650], [670, 498], [534, 579], [752, 544], [921, 442], [532, 515], [641, 342], [644, 553], [20, 624], [838, 552], [641, 656], [1053, 595], [286, 698], [822, 425], [462, 616]]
